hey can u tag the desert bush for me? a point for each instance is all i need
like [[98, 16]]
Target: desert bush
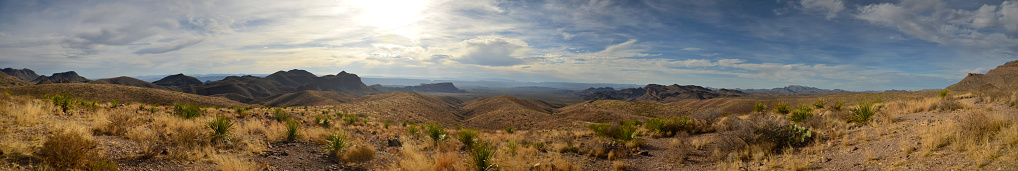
[[280, 115], [413, 130], [187, 111], [667, 126], [360, 154], [800, 135], [220, 128], [323, 120], [351, 119], [509, 129], [786, 135], [436, 132], [292, 130], [709, 115], [801, 113], [336, 145], [467, 137], [945, 104], [759, 107], [943, 93], [863, 112], [620, 132], [240, 111], [782, 108], [114, 104], [482, 154], [68, 150], [66, 103], [819, 104], [837, 106]]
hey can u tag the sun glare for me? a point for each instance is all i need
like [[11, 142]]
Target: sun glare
[[395, 16]]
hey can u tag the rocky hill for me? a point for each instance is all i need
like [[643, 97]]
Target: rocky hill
[[70, 76], [502, 111], [108, 92], [248, 88], [1004, 77], [128, 81], [660, 93], [7, 80], [23, 74], [179, 80], [306, 98], [794, 89], [436, 87]]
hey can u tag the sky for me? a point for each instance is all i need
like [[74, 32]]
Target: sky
[[851, 45]]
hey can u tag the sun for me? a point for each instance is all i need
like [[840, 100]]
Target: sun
[[398, 17]]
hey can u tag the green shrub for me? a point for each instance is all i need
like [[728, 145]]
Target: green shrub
[[467, 137], [863, 113], [819, 104], [759, 107], [240, 112], [667, 126], [943, 93], [801, 113], [482, 154], [114, 104], [351, 119], [336, 145], [220, 128], [621, 132], [837, 106], [509, 129], [436, 132], [292, 130], [280, 115], [66, 103], [187, 111], [413, 130], [782, 108], [141, 107], [323, 120], [800, 135]]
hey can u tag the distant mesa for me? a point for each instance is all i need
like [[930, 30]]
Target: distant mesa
[[446, 87], [794, 89], [659, 93], [179, 80], [123, 80], [1004, 77], [23, 74]]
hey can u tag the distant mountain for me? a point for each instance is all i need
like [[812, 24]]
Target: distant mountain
[[7, 80], [793, 89], [1004, 77], [491, 83], [128, 81], [436, 87], [69, 76], [655, 92], [23, 74], [179, 80], [248, 88]]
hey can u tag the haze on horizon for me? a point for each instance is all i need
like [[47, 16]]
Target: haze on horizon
[[851, 45]]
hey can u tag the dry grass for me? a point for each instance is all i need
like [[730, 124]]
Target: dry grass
[[70, 149], [235, 163]]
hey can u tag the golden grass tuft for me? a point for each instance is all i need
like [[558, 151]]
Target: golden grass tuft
[[69, 149], [235, 163]]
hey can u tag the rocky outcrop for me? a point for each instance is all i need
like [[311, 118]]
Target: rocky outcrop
[[179, 80], [1004, 77], [436, 87], [23, 74]]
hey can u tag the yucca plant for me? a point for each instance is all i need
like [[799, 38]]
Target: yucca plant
[[759, 107], [782, 108], [801, 113], [187, 111], [323, 120], [863, 113], [837, 106], [509, 129], [281, 115], [819, 104], [351, 119], [292, 130], [336, 144], [943, 93], [482, 154], [467, 137], [240, 111], [436, 132], [220, 128]]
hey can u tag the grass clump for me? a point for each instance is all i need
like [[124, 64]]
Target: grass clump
[[336, 144], [66, 103], [436, 132], [360, 154], [481, 156], [67, 150], [837, 106], [292, 130], [240, 111], [801, 113], [621, 132], [351, 119], [759, 107], [782, 108], [819, 104], [667, 127], [280, 115], [943, 93], [863, 113], [323, 120], [509, 129], [220, 128], [467, 137], [187, 111]]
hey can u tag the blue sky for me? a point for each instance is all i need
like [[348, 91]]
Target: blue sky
[[853, 45]]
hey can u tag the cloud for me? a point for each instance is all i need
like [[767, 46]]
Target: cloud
[[692, 49], [170, 46], [829, 8], [971, 30], [492, 51]]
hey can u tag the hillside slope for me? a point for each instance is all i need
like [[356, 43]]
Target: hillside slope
[[502, 111], [1004, 77], [108, 92], [7, 80], [127, 81], [306, 98]]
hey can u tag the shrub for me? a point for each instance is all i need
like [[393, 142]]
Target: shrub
[[945, 104], [863, 113], [280, 115], [622, 132], [412, 130], [114, 104], [801, 113], [152, 110], [66, 103], [782, 108], [360, 155], [800, 135], [481, 156], [323, 120], [667, 126], [759, 107], [509, 129], [386, 124], [819, 104], [435, 131], [351, 119], [187, 111], [240, 112], [292, 130], [467, 137], [709, 115], [837, 106], [220, 128], [67, 150], [943, 93], [336, 144]]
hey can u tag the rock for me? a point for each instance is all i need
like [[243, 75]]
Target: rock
[[394, 142]]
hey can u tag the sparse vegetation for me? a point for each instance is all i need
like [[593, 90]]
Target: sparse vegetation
[[481, 156], [292, 130], [187, 111], [943, 93], [759, 107], [819, 104], [621, 132], [467, 137], [324, 120], [782, 108], [336, 145], [801, 113], [351, 119], [68, 150], [360, 154], [509, 129], [837, 106], [280, 115], [667, 126]]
